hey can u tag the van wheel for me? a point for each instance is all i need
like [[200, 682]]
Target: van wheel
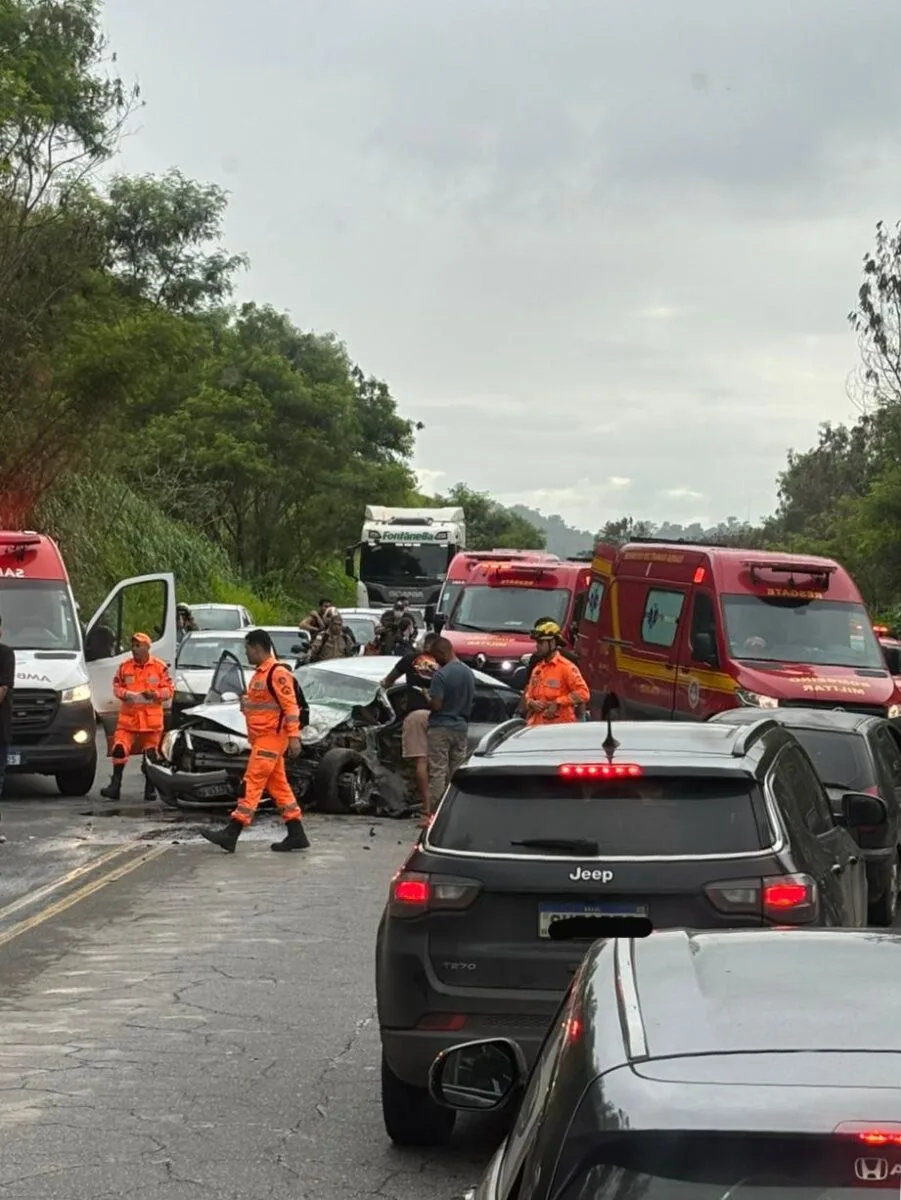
[[77, 783], [411, 1116], [885, 909]]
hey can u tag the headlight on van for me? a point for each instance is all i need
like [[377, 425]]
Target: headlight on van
[[894, 712], [756, 700], [167, 745], [76, 695]]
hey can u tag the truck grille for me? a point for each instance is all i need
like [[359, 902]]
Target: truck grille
[[865, 710], [34, 710]]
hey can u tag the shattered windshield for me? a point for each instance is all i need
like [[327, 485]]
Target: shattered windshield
[[335, 688]]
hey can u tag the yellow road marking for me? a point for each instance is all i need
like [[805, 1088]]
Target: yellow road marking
[[54, 886], [82, 893]]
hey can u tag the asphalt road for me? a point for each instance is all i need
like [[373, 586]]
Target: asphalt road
[[183, 1023]]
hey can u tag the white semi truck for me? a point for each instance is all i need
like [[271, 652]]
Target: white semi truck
[[404, 552]]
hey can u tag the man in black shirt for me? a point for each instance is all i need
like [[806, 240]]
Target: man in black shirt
[[7, 680], [418, 667]]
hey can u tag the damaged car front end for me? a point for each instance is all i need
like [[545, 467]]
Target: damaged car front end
[[350, 760]]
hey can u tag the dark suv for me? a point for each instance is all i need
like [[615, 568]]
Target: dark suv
[[545, 841], [739, 1065]]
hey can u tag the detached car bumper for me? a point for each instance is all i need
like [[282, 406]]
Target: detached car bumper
[[202, 789]]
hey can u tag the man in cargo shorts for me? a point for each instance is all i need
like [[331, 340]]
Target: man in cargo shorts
[[418, 667]]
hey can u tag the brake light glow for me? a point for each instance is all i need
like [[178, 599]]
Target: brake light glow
[[599, 771], [879, 1135], [699, 575], [785, 895], [411, 891]]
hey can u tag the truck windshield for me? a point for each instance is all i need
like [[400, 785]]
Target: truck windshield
[[404, 564], [512, 609], [833, 633], [38, 615]]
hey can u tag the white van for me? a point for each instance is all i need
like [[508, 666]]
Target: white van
[[64, 674]]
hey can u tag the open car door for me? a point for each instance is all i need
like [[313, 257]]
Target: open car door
[[228, 680], [143, 604]]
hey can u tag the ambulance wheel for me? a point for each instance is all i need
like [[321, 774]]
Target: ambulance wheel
[[77, 783], [343, 783]]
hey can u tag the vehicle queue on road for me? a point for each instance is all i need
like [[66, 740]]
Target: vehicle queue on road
[[731, 812]]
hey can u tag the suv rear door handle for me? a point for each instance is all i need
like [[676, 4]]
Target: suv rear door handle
[[837, 868], [853, 860]]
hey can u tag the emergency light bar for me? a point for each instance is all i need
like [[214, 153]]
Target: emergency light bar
[[19, 543], [815, 571]]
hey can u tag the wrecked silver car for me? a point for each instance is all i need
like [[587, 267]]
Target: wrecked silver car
[[351, 758]]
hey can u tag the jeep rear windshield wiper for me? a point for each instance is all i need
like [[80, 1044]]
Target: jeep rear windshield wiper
[[561, 845]]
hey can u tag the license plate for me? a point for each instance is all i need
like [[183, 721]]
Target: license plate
[[212, 789], [13, 760], [548, 914]]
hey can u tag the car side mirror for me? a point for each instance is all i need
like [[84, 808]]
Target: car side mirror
[[438, 622], [892, 658], [429, 615], [478, 1076], [703, 648], [860, 809]]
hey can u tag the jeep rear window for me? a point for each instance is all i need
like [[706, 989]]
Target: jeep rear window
[[645, 817]]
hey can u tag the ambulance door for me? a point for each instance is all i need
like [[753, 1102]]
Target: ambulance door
[[703, 688], [651, 615], [594, 654], [144, 604]]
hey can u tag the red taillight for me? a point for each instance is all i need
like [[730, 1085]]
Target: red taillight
[[413, 893], [599, 771], [573, 1030], [785, 895], [888, 1134], [699, 575], [786, 899]]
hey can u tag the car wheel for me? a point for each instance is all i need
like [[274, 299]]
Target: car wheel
[[77, 783], [411, 1116], [884, 911], [343, 783]]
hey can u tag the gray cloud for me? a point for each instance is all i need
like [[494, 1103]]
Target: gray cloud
[[582, 240]]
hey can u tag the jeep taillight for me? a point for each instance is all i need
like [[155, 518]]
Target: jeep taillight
[[414, 893], [783, 899]]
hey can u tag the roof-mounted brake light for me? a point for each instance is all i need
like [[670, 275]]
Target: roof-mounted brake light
[[886, 1133], [599, 771]]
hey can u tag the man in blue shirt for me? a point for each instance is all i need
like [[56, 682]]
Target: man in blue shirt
[[451, 696]]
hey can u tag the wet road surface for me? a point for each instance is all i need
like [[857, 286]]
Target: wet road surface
[[192, 1024]]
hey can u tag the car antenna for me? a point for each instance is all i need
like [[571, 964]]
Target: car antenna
[[609, 706]]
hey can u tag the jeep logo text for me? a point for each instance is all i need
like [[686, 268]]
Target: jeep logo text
[[585, 875]]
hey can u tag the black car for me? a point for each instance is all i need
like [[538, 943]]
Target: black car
[[678, 824], [853, 752], [702, 1066]]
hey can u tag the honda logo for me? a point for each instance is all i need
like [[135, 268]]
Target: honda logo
[[871, 1170]]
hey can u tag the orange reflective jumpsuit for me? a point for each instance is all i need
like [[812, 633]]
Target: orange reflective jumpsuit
[[141, 719], [556, 680], [271, 721]]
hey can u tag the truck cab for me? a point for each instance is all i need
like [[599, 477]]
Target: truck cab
[[65, 671], [404, 552]]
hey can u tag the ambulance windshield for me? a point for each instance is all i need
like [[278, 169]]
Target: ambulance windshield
[[38, 615], [834, 633]]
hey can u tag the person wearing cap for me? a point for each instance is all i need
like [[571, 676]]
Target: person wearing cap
[[142, 686], [555, 691]]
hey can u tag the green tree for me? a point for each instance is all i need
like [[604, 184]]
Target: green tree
[[490, 526]]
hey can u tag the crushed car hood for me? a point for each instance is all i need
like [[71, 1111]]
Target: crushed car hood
[[323, 719]]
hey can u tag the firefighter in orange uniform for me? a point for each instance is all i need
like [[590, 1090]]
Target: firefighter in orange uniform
[[555, 689], [143, 686], [272, 711]]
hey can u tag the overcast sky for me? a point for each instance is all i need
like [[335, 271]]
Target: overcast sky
[[604, 251]]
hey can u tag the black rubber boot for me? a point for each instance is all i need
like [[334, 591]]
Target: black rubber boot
[[295, 837], [150, 796], [113, 790], [227, 838]]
